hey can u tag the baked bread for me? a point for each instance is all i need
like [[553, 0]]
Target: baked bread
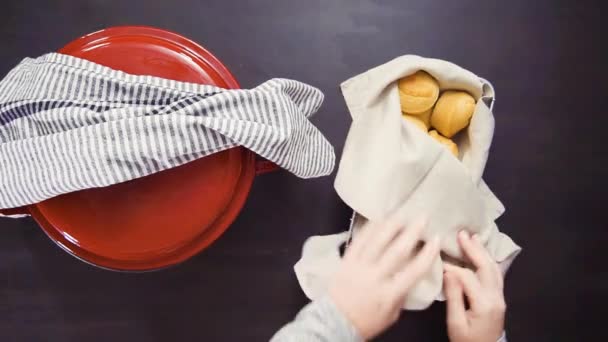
[[452, 112], [418, 92]]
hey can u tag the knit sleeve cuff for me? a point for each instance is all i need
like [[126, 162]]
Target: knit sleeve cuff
[[334, 320]]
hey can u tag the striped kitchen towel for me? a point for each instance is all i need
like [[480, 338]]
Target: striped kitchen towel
[[67, 124]]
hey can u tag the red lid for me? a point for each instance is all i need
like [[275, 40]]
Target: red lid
[[165, 218]]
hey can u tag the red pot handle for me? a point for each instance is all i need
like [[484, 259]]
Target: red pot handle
[[263, 166], [15, 211]]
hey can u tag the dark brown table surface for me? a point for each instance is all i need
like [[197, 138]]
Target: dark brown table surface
[[547, 60]]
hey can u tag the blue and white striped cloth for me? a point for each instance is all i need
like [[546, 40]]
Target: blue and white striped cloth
[[67, 124]]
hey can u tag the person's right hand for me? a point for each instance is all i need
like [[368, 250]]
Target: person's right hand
[[483, 289], [376, 273]]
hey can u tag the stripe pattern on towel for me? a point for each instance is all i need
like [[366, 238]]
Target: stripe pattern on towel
[[67, 124]]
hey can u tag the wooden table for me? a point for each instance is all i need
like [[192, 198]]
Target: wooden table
[[547, 62]]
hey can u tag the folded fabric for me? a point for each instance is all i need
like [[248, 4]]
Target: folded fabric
[[67, 124], [389, 166]]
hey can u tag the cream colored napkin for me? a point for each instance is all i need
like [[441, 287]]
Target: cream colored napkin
[[390, 166]]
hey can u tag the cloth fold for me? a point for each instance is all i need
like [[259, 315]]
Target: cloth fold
[[390, 167], [67, 124]]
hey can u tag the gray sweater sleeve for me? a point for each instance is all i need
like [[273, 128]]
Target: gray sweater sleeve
[[318, 321]]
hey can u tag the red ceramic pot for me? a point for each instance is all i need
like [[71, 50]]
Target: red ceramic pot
[[165, 218]]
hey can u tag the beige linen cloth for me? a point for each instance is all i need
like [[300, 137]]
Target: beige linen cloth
[[390, 166]]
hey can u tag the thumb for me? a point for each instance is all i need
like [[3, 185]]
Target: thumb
[[454, 294]]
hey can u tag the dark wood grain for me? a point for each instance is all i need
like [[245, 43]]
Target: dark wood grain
[[549, 165]]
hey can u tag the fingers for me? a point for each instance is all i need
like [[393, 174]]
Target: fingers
[[456, 312], [498, 276], [373, 237], [383, 237], [487, 269], [493, 266], [470, 284], [418, 267], [478, 256], [358, 245], [400, 249]]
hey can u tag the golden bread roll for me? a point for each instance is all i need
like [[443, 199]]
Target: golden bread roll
[[418, 92], [452, 112], [417, 122], [424, 117], [448, 143]]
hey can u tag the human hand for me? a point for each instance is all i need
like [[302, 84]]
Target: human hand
[[377, 271], [483, 289]]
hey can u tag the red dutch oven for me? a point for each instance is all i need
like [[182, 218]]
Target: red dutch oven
[[165, 218]]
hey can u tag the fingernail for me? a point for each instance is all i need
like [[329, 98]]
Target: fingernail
[[476, 237], [463, 234]]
